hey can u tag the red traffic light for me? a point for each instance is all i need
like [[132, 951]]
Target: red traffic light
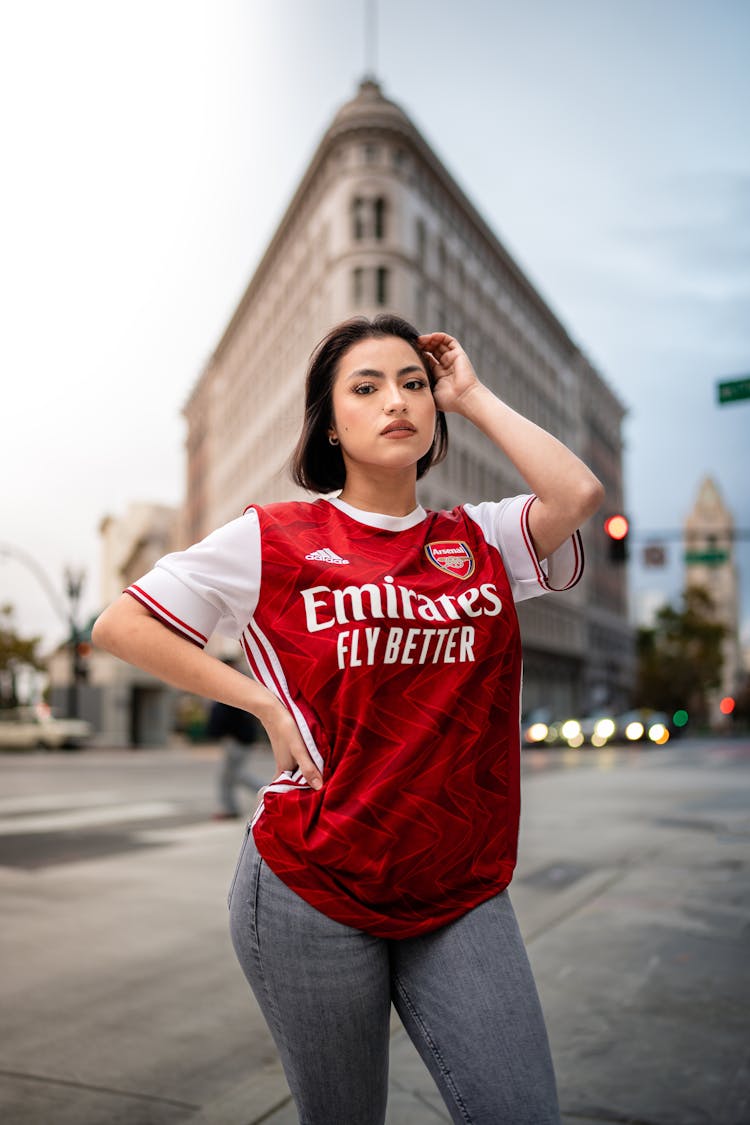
[[616, 527]]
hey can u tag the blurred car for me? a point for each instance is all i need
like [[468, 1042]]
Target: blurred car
[[535, 726], [644, 725], [539, 729], [597, 730], [37, 729]]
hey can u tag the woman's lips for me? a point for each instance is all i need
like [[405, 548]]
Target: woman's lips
[[399, 430]]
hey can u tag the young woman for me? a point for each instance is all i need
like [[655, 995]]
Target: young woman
[[386, 662]]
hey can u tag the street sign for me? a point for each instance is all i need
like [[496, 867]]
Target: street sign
[[732, 390], [654, 555], [712, 556]]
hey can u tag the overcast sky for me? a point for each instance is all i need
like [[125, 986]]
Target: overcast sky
[[150, 149]]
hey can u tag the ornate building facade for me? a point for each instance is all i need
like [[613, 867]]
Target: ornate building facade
[[379, 224], [710, 563]]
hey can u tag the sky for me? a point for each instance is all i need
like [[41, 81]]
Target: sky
[[150, 150]]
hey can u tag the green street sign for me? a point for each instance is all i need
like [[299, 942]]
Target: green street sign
[[710, 557], [732, 390]]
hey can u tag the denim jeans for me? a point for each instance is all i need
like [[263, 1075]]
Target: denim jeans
[[464, 993]]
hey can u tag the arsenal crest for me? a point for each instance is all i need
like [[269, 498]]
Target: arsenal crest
[[452, 556]]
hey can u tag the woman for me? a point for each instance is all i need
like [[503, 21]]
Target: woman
[[385, 651]]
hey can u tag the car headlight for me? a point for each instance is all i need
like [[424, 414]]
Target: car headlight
[[605, 728], [634, 731], [537, 732], [571, 728]]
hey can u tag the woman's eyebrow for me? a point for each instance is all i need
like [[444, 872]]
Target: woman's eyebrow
[[371, 373]]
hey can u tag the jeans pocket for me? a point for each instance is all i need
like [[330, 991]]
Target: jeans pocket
[[240, 858]]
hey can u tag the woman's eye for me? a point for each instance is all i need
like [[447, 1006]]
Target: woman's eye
[[364, 389], [416, 384]]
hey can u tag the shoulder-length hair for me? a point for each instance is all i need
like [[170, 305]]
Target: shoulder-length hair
[[316, 464]]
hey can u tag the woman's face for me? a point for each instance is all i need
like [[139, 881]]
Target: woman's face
[[383, 410]]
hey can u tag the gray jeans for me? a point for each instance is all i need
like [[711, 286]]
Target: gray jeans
[[464, 993]]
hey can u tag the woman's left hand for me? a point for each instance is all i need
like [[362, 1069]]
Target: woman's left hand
[[454, 375]]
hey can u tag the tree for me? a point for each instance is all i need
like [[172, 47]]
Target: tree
[[680, 658], [15, 653]]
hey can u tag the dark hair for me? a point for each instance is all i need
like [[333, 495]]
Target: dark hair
[[316, 464]]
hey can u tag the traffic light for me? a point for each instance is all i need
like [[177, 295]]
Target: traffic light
[[616, 528]]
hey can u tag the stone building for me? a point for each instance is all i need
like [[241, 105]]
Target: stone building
[[710, 563], [126, 706], [378, 223]]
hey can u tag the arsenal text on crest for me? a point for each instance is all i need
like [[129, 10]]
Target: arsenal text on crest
[[452, 556]]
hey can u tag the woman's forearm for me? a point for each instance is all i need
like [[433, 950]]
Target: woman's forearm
[[130, 632]]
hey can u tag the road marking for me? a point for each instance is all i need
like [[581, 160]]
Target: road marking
[[41, 801], [87, 818], [193, 833]]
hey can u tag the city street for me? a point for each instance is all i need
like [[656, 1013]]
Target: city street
[[123, 1004]]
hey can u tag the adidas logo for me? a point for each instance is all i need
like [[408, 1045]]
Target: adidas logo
[[325, 554]]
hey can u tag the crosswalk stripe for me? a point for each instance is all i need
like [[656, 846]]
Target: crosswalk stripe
[[39, 802], [87, 818]]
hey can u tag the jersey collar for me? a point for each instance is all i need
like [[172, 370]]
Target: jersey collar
[[376, 519]]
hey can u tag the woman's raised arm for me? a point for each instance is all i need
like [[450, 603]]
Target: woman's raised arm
[[567, 491]]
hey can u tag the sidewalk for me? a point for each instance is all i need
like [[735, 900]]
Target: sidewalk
[[633, 895]]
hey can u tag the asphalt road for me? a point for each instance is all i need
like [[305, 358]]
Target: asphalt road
[[122, 1002]]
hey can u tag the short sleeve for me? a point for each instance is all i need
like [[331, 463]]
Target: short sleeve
[[213, 586], [505, 525]]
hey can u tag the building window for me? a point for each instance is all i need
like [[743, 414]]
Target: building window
[[369, 218], [358, 285], [421, 304], [421, 242], [371, 153], [381, 286], [379, 207], [359, 218]]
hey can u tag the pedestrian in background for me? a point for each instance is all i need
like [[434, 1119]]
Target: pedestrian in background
[[386, 653], [238, 731]]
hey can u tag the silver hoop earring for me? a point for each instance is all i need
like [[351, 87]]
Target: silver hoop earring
[[332, 439]]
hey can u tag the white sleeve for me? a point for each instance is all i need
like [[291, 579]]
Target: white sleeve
[[212, 586], [505, 525]]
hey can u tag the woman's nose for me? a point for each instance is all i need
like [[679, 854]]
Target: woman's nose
[[396, 402]]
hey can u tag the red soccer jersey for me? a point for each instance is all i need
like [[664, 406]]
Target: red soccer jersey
[[395, 644]]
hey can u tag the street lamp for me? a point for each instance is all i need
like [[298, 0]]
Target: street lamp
[[74, 579]]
